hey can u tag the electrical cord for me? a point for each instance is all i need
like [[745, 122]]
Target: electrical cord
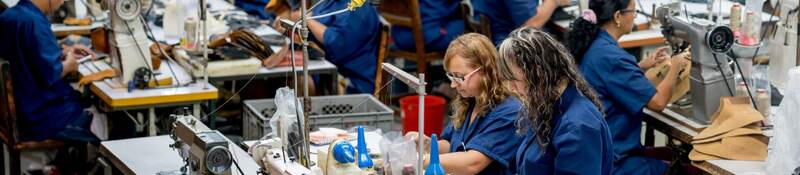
[[724, 78], [135, 41]]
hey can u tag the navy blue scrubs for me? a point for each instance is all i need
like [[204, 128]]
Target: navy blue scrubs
[[351, 43], [441, 23], [494, 135], [580, 143], [624, 91], [505, 15], [46, 105]]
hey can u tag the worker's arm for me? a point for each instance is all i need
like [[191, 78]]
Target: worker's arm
[[664, 89], [543, 13], [470, 162], [317, 29]]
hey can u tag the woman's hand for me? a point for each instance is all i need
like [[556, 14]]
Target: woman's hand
[[679, 61], [660, 55]]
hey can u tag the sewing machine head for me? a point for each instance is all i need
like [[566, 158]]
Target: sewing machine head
[[710, 44], [205, 150], [128, 42]]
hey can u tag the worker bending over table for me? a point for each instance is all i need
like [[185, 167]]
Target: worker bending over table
[[619, 79], [46, 105], [349, 40], [565, 132], [481, 137]]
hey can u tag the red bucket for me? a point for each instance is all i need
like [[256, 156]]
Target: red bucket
[[434, 113]]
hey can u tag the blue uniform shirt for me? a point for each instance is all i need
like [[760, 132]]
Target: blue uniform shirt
[[580, 144], [255, 7], [45, 102], [351, 42], [441, 23], [624, 91], [494, 135], [505, 15]]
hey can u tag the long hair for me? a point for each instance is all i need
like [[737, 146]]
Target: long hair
[[478, 51], [546, 64], [582, 32]]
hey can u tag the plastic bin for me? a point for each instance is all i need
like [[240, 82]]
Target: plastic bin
[[434, 114], [341, 112]]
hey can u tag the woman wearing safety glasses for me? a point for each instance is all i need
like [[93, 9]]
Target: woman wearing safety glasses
[[481, 138]]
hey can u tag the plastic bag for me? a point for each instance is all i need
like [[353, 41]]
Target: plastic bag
[[398, 152], [784, 146], [284, 122]]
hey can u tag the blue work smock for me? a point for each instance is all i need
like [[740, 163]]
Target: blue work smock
[[505, 15], [441, 23], [351, 43], [255, 7], [494, 135], [580, 143], [624, 91], [45, 103]]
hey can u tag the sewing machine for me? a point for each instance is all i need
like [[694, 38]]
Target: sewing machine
[[710, 75], [204, 151], [128, 43]]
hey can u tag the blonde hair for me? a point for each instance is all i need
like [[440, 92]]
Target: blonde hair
[[477, 51]]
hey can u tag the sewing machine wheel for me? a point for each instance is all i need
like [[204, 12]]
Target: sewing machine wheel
[[218, 160], [142, 77], [128, 9], [720, 39]]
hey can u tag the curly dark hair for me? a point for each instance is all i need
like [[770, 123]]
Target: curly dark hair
[[546, 66], [582, 32]]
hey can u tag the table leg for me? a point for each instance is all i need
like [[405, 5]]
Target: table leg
[[196, 110], [152, 121]]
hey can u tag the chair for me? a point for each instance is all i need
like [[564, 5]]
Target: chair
[[481, 26], [8, 124], [383, 42], [405, 13]]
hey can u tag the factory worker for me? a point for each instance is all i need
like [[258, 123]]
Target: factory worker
[[564, 130], [46, 105], [619, 79], [349, 39], [441, 23], [507, 15], [481, 137]]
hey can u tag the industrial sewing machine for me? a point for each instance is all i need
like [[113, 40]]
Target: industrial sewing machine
[[710, 75], [204, 151], [128, 44]]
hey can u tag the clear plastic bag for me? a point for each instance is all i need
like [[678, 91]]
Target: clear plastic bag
[[284, 122], [398, 153], [784, 146]]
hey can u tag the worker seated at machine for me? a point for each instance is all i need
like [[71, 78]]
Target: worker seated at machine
[[619, 80], [564, 128], [46, 105], [347, 39], [481, 138]]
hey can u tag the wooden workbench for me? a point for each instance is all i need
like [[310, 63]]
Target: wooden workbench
[[674, 124]]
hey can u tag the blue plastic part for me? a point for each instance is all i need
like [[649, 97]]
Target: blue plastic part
[[364, 161], [343, 152], [434, 168]]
